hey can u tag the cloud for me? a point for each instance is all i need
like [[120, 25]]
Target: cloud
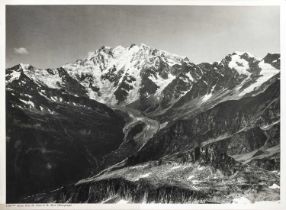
[[21, 51]]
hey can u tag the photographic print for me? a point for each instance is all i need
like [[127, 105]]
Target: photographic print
[[128, 104]]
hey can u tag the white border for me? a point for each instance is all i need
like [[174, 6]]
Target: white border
[[281, 3], [2, 107], [144, 2]]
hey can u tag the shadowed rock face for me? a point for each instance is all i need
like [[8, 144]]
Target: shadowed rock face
[[273, 59], [185, 129], [237, 123], [55, 139]]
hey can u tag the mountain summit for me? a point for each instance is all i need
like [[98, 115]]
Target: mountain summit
[[138, 73]]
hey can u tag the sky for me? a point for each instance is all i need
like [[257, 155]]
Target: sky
[[50, 36]]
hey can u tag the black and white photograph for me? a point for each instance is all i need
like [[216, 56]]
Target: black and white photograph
[[142, 104]]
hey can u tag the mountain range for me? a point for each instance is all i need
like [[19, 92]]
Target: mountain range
[[138, 124]]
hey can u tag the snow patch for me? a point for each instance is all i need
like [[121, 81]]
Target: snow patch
[[239, 64], [29, 96], [266, 127], [209, 95], [14, 75], [274, 186], [53, 98], [206, 97], [205, 82], [29, 103], [163, 125], [41, 93], [142, 176], [190, 76], [267, 72], [161, 82], [196, 181], [175, 167], [50, 111]]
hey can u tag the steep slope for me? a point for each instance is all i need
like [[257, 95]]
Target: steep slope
[[238, 75], [235, 127], [53, 138]]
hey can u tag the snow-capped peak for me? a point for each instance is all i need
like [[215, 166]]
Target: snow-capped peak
[[123, 75], [239, 64], [109, 68]]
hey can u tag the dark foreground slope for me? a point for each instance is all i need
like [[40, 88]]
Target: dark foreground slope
[[54, 138]]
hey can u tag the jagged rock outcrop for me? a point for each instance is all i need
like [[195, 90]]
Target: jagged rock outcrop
[[236, 126]]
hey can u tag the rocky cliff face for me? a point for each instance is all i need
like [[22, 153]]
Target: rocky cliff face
[[238, 123], [145, 126]]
